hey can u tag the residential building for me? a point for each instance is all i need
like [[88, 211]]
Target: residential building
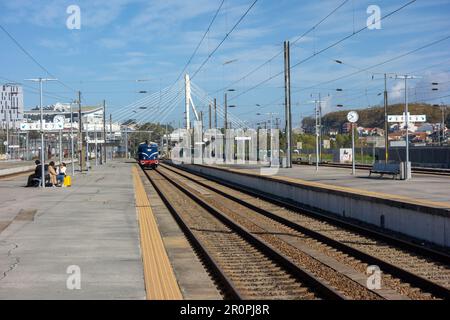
[[11, 105]]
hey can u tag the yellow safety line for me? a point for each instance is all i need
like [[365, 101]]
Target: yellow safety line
[[160, 280]]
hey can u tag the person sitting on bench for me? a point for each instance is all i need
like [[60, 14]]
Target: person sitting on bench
[[61, 173], [52, 173], [36, 175]]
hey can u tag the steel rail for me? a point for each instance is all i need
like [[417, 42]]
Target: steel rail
[[401, 273], [299, 273]]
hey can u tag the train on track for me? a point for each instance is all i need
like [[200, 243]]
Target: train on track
[[148, 155]]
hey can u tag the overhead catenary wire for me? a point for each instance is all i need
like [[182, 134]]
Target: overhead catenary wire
[[224, 39], [29, 55], [201, 41], [281, 51], [139, 103], [36, 91], [324, 49]]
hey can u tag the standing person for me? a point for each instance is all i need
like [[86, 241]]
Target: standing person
[[52, 173]]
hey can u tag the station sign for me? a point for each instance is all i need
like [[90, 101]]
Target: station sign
[[411, 118], [92, 141], [36, 126]]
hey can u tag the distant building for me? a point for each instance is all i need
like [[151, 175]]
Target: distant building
[[347, 127], [92, 117], [11, 105]]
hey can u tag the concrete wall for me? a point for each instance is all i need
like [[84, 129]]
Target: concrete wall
[[426, 223], [431, 157]]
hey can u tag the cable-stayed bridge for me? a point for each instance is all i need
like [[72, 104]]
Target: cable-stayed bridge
[[183, 95]]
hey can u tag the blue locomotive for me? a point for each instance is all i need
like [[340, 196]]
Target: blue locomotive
[[148, 155]]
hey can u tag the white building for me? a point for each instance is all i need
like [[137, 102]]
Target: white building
[[11, 105]]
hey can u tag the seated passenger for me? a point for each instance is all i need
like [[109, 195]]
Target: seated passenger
[[36, 175], [61, 173], [52, 173]]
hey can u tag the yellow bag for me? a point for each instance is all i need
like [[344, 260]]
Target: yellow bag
[[67, 181]]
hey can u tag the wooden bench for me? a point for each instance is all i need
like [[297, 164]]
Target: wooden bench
[[385, 168]]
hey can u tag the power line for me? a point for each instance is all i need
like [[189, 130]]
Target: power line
[[201, 40], [36, 91], [32, 58], [323, 50], [378, 64], [281, 51], [224, 39]]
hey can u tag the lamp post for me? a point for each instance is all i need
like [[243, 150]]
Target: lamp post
[[317, 126], [407, 164], [71, 141], [442, 125], [40, 80]]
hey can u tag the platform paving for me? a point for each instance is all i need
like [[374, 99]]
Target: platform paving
[[420, 187], [7, 164], [92, 225]]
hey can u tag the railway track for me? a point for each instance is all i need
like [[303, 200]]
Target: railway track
[[246, 267], [416, 170], [335, 255]]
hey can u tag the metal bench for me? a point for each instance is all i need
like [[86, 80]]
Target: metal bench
[[385, 168]]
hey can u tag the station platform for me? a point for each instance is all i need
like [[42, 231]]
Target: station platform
[[429, 189], [8, 167], [51, 240], [7, 164]]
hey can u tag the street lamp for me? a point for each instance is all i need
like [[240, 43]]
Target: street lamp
[[40, 80], [442, 125], [317, 103], [407, 165], [226, 107]]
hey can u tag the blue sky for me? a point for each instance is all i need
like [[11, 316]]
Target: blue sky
[[121, 41]]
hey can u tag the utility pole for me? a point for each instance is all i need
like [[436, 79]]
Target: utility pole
[[443, 123], [60, 147], [215, 113], [167, 138], [7, 127], [353, 150], [210, 116], [316, 111], [287, 90], [104, 134], [95, 144], [80, 133], [126, 142], [386, 126], [40, 80], [225, 126], [320, 127], [110, 132], [407, 164], [71, 141]]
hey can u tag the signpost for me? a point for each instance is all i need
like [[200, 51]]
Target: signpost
[[411, 118], [353, 117], [35, 126], [406, 120]]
